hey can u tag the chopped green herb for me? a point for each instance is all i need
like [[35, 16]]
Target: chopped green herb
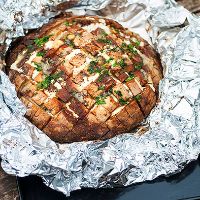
[[67, 23], [122, 64], [103, 73], [138, 97], [129, 47], [122, 101], [116, 29], [114, 49], [137, 43], [38, 66], [118, 92], [101, 99], [102, 87], [114, 64], [40, 41], [40, 53], [124, 45], [93, 68], [108, 60], [103, 33], [104, 40], [131, 76], [110, 90], [48, 80], [139, 66]]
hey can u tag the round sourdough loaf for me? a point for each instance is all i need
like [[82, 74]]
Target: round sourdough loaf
[[84, 78]]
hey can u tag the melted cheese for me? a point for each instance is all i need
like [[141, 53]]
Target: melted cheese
[[35, 73], [17, 61], [77, 70], [73, 113], [139, 84], [87, 81], [50, 95], [57, 85], [53, 44], [72, 54], [29, 61], [93, 27], [117, 110]]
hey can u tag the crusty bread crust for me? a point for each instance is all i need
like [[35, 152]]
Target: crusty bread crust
[[84, 78]]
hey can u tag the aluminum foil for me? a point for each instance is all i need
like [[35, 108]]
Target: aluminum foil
[[171, 135]]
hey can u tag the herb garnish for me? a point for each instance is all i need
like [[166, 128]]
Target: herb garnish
[[137, 43], [103, 33], [102, 87], [93, 68], [114, 64], [101, 99], [139, 66], [131, 76], [104, 40], [118, 92], [138, 97], [129, 47], [103, 73], [48, 80], [40, 53], [69, 23], [108, 60], [122, 101], [121, 63], [38, 66], [40, 41]]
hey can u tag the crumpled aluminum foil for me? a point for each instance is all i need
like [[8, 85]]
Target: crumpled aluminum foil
[[172, 131]]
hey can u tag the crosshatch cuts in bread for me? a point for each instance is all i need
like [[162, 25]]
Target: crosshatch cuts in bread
[[84, 78]]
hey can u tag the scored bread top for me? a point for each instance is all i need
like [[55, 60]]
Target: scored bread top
[[84, 78]]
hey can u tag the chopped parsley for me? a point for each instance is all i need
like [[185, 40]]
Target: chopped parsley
[[137, 43], [38, 66], [138, 66], [101, 99], [122, 101], [104, 40], [103, 73], [131, 76], [103, 33], [48, 80], [114, 64], [118, 92], [108, 60], [138, 97], [129, 47], [121, 63], [93, 67], [67, 23], [40, 41], [102, 87], [40, 53]]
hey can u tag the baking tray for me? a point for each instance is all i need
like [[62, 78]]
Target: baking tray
[[182, 186]]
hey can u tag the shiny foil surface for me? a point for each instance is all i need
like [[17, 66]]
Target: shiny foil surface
[[167, 140]]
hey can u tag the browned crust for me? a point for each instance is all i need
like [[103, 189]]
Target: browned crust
[[89, 121]]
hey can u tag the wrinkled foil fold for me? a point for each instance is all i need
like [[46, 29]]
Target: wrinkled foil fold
[[171, 136]]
